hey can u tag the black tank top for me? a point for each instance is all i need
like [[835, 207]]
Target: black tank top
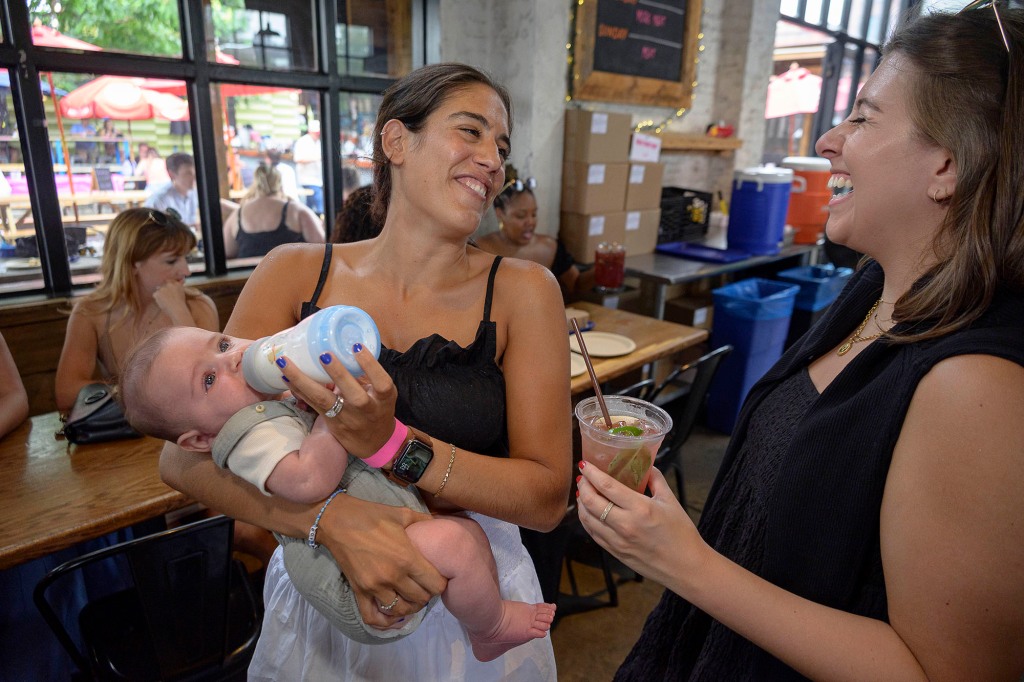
[[260, 243], [453, 393]]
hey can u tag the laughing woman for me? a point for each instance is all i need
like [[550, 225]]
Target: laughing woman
[[868, 522], [460, 391]]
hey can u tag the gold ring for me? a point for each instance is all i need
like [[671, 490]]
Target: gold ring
[[390, 606], [608, 508], [335, 408]]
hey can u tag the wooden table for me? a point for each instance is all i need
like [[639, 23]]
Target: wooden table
[[53, 495], [654, 339], [130, 198]]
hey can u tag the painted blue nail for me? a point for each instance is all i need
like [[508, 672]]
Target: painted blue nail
[[285, 379], [280, 362], [325, 358], [356, 347]]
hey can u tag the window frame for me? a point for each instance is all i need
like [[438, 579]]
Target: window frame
[[27, 61]]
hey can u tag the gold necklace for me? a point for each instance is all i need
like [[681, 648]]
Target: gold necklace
[[845, 348]]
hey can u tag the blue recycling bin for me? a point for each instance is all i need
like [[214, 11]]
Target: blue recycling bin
[[753, 316], [819, 287]]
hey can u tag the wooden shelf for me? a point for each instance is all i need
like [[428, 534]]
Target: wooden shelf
[[680, 142]]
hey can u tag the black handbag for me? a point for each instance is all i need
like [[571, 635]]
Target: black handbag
[[96, 417]]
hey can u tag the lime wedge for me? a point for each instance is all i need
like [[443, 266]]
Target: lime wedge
[[626, 431]]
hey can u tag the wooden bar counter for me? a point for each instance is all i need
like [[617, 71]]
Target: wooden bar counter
[[54, 495]]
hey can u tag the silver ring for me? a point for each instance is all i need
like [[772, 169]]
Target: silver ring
[[339, 403], [608, 508], [390, 606]]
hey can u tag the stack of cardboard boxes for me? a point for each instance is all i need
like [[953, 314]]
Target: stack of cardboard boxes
[[606, 196]]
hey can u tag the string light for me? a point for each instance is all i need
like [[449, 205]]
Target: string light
[[643, 125]]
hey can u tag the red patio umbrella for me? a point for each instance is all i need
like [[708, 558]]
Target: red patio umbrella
[[794, 92], [123, 98], [51, 37]]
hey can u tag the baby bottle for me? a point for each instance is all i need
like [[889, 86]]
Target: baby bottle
[[335, 329]]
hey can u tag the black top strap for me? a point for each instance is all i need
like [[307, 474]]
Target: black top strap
[[309, 307], [284, 212], [490, 288]]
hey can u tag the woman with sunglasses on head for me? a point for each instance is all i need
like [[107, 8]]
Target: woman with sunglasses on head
[[142, 290], [461, 403], [517, 237], [867, 522]]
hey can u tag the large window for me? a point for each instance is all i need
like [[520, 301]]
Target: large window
[[109, 89], [824, 51]]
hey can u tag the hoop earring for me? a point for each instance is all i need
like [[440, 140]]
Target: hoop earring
[[935, 196]]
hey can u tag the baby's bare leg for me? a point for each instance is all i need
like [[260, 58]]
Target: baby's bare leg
[[458, 548]]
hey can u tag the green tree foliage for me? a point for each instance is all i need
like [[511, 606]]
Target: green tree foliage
[[139, 26]]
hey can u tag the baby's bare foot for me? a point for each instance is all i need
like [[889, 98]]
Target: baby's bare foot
[[520, 622]]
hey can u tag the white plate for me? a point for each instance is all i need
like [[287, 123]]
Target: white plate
[[604, 344], [577, 365]]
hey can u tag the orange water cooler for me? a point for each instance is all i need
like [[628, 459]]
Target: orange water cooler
[[808, 207]]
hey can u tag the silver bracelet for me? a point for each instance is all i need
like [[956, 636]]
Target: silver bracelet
[[313, 544]]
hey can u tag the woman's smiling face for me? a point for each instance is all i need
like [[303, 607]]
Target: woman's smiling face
[[456, 163], [882, 168]]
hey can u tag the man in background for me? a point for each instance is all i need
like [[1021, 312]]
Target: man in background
[[180, 195], [309, 166]]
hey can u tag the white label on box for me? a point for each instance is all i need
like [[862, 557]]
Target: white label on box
[[632, 221], [645, 148], [596, 227], [700, 316], [595, 174], [636, 174], [599, 124]]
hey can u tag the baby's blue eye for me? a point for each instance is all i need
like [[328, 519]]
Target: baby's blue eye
[[224, 345], [209, 379]]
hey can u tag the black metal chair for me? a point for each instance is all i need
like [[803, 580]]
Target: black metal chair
[[189, 614], [682, 394]]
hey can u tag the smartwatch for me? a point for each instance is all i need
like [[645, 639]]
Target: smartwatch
[[412, 461]]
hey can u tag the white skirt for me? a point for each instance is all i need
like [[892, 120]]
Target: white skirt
[[297, 643]]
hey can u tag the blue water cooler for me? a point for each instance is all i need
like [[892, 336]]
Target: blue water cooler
[[757, 212]]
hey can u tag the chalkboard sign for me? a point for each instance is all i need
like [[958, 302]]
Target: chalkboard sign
[[636, 51], [102, 180], [640, 39]]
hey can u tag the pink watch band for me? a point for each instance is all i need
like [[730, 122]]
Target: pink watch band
[[389, 449]]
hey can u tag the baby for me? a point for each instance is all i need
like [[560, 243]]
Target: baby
[[185, 385]]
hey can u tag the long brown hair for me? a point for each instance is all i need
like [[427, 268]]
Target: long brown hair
[[966, 98], [135, 235], [412, 100]]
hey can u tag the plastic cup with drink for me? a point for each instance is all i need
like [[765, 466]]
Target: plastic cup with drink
[[625, 449]]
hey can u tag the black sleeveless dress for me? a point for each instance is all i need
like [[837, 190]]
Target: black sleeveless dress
[[453, 393]]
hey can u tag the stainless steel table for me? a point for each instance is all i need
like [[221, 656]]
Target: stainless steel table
[[658, 271]]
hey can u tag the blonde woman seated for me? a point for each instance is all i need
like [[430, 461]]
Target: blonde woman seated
[[268, 218], [141, 291], [517, 236]]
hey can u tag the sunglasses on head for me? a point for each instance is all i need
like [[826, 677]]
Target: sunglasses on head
[[518, 185], [978, 4], [165, 218]]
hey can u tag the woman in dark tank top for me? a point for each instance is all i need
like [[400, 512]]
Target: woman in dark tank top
[[267, 218], [474, 366]]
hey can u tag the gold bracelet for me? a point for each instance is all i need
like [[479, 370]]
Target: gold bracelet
[[447, 473]]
